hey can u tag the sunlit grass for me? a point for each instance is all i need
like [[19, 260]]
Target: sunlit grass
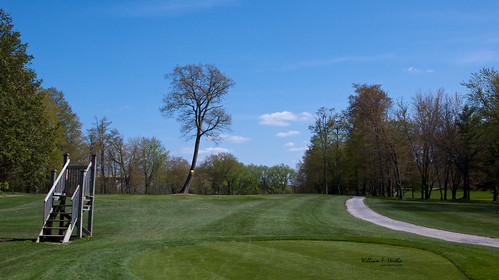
[[128, 228]]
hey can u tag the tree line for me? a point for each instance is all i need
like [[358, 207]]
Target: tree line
[[437, 142], [144, 166]]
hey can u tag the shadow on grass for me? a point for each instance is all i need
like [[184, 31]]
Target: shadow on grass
[[6, 240]]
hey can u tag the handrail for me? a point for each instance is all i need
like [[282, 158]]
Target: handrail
[[81, 177], [76, 205], [86, 180], [52, 189], [48, 202], [75, 200]]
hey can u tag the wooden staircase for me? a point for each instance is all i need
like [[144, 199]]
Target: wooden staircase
[[71, 196], [58, 223]]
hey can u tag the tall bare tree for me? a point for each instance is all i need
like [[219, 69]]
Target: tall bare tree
[[99, 140], [368, 115], [196, 100]]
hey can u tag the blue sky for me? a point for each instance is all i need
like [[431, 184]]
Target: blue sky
[[288, 58]]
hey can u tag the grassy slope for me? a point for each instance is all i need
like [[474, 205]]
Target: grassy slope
[[128, 226]]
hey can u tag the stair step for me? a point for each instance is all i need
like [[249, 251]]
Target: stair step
[[62, 213], [58, 220], [52, 235], [62, 205], [55, 227]]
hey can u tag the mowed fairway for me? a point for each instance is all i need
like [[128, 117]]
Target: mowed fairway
[[293, 260], [233, 237]]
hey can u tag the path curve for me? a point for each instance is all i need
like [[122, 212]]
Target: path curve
[[357, 208]]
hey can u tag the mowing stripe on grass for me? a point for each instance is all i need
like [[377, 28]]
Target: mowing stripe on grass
[[357, 208], [292, 260]]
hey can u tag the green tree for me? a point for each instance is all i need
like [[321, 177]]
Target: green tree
[[26, 137], [323, 138], [483, 95], [176, 167], [368, 117], [196, 99], [221, 170], [153, 156], [69, 138], [279, 178]]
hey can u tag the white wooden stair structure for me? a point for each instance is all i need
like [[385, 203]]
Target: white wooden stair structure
[[70, 197]]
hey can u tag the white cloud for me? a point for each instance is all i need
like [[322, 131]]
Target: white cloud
[[298, 149], [211, 150], [333, 61], [283, 118], [413, 70], [290, 144], [416, 70], [234, 138], [287, 134], [214, 150]]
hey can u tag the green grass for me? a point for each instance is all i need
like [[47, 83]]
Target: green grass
[[435, 194], [291, 236], [293, 260], [473, 217]]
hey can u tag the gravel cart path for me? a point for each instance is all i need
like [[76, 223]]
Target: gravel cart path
[[357, 208]]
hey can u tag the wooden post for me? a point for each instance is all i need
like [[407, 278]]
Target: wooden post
[[53, 176], [92, 194], [79, 221], [65, 191]]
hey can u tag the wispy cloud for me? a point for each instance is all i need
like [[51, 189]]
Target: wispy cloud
[[234, 138], [332, 61], [479, 57], [214, 150], [287, 134], [209, 151], [415, 70], [298, 149], [166, 7], [283, 118], [290, 144]]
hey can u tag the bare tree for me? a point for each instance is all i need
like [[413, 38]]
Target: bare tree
[[196, 99], [99, 138]]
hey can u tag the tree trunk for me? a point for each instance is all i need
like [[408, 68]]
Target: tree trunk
[[187, 184]]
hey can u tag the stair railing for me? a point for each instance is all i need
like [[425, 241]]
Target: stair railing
[[86, 180], [77, 200], [57, 188]]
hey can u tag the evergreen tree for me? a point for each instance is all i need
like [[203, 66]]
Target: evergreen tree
[[69, 137], [26, 137]]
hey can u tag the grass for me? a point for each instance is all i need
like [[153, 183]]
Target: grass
[[293, 260], [473, 217], [435, 194], [273, 237]]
